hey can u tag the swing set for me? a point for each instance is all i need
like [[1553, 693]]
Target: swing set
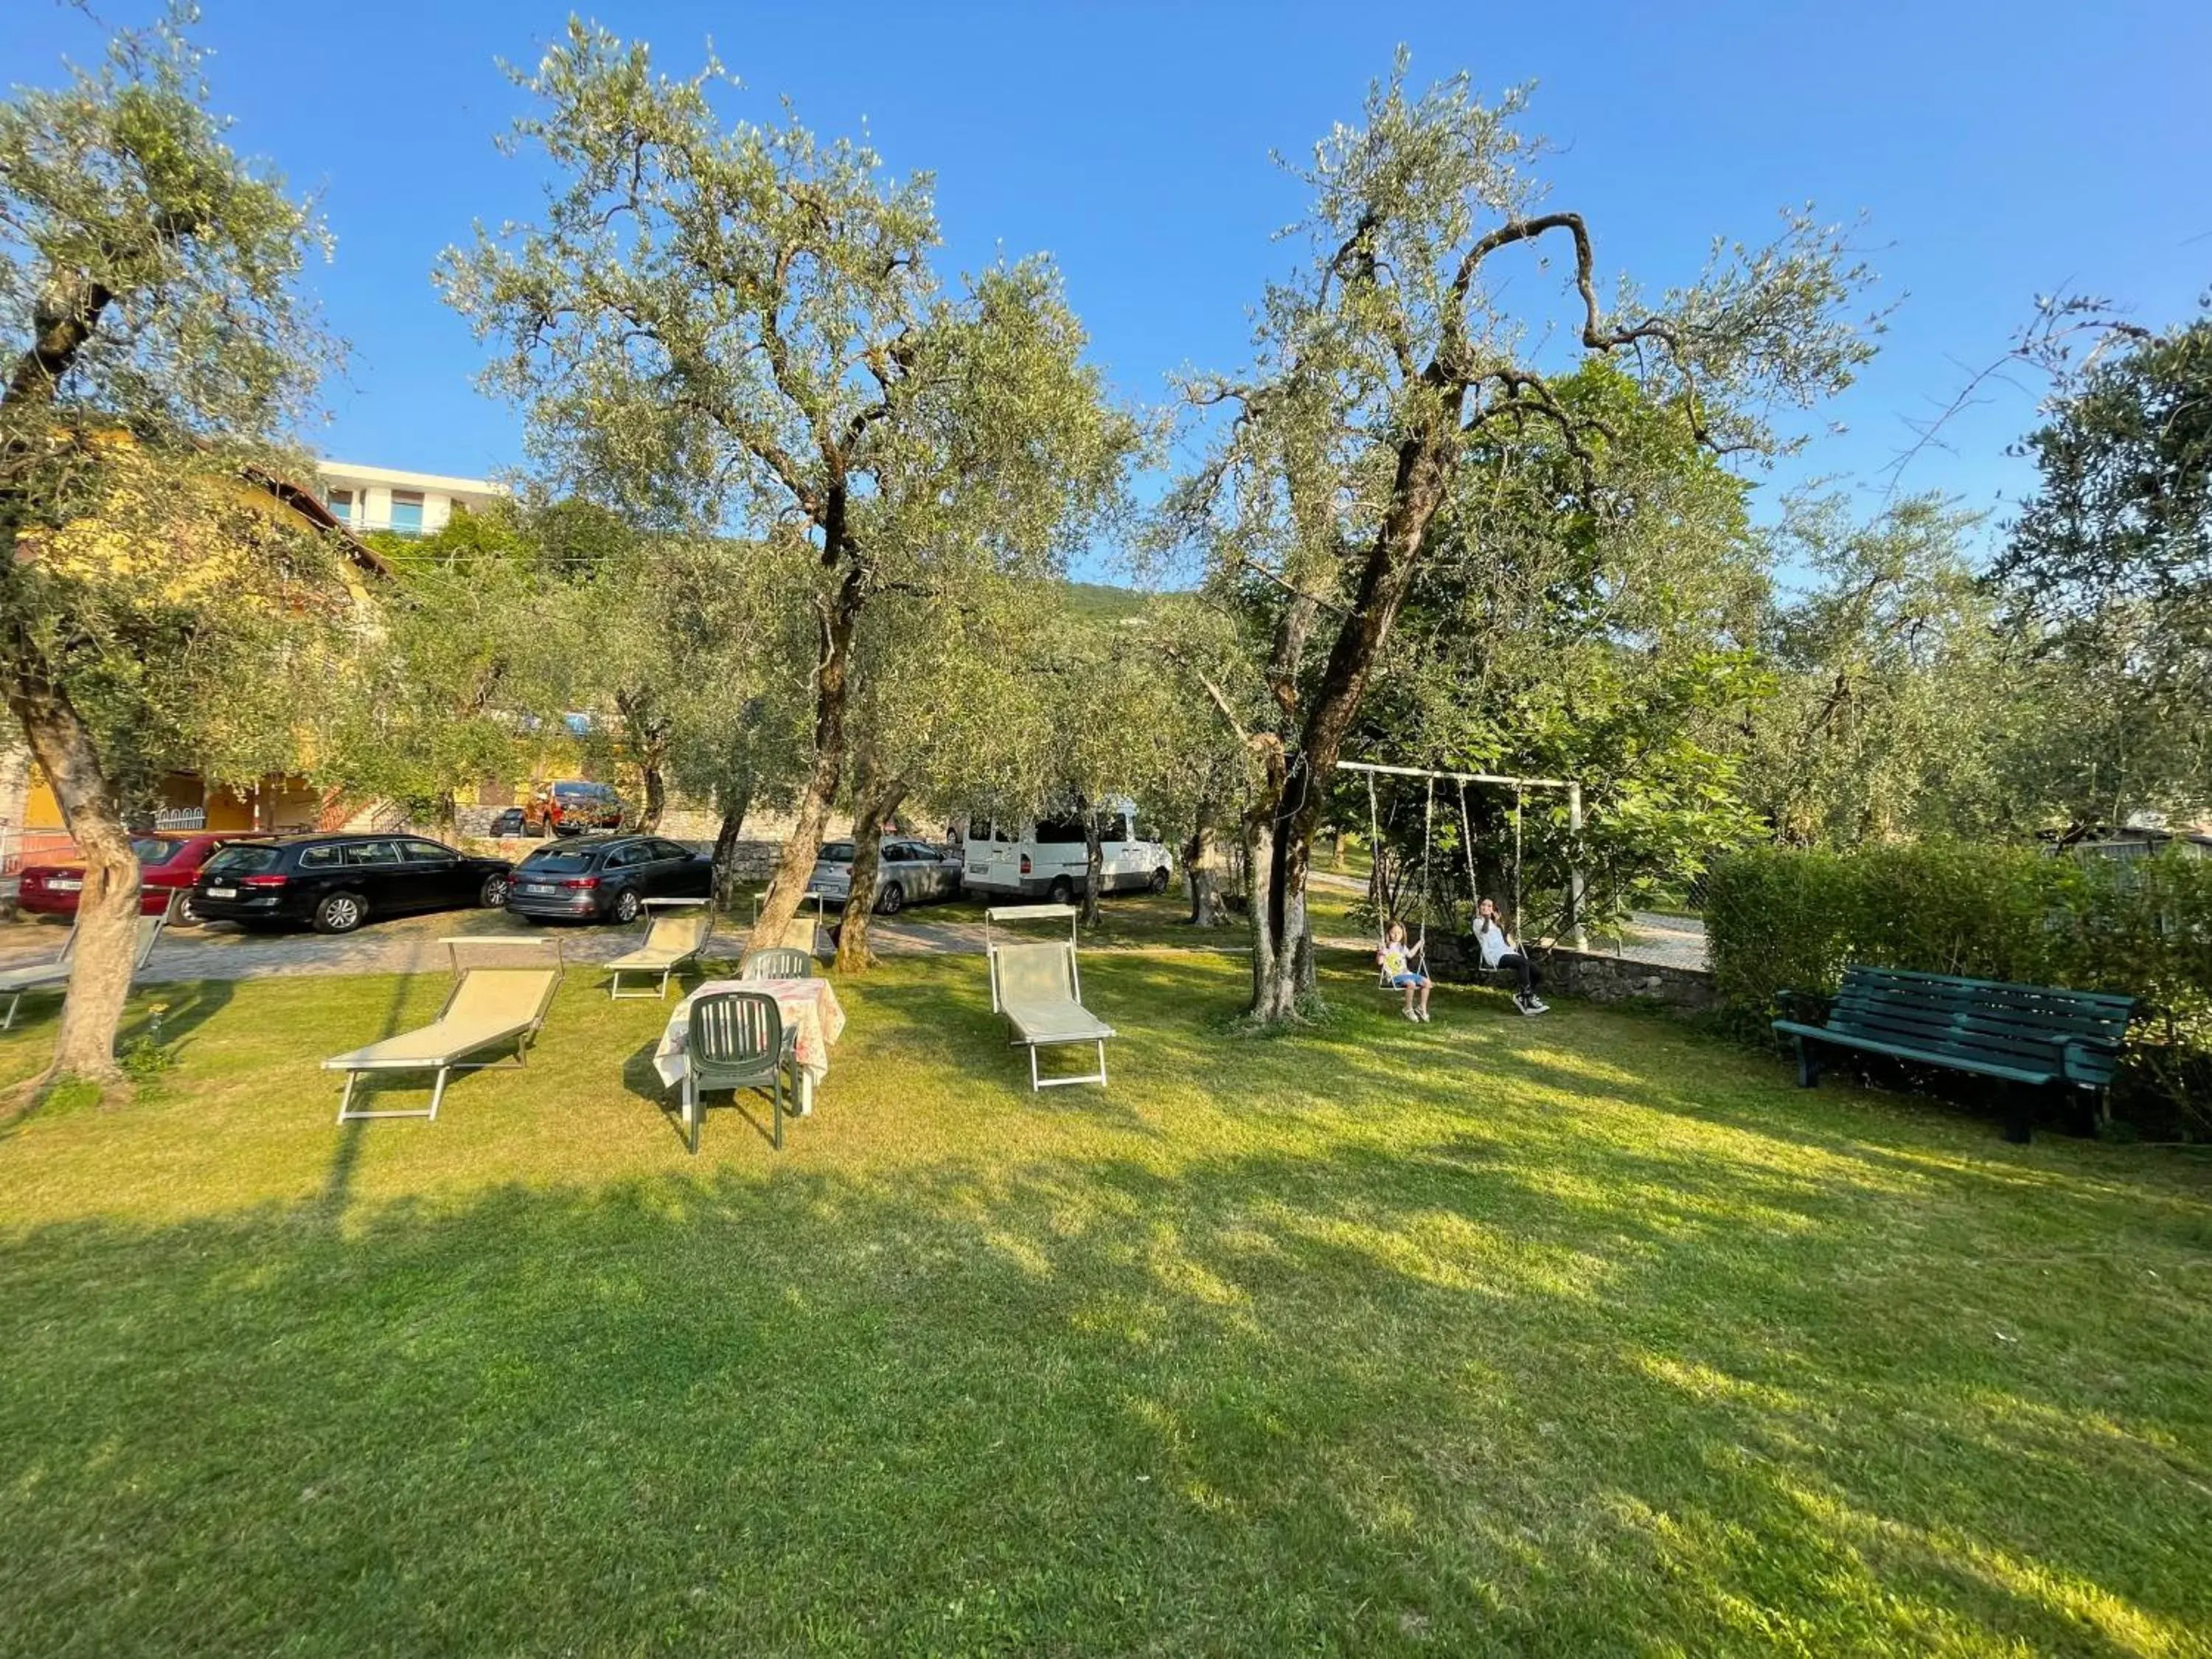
[[1460, 781]]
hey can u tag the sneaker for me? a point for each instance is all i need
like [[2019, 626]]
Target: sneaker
[[1529, 1006], [1537, 1005], [1425, 1015], [1411, 1015]]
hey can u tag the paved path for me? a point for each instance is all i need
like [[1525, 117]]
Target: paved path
[[411, 945], [1665, 941]]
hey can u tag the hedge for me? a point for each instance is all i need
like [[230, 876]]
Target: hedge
[[1777, 919]]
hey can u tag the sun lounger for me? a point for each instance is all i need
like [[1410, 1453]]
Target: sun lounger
[[675, 931], [501, 989], [16, 983], [1036, 987]]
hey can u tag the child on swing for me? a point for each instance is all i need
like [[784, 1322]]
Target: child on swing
[[1501, 950], [1397, 964]]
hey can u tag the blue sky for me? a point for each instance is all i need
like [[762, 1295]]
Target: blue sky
[[2000, 150]]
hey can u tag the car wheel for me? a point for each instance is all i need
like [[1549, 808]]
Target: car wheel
[[185, 915], [892, 900], [626, 906], [339, 913], [494, 894], [1061, 891], [1159, 881]]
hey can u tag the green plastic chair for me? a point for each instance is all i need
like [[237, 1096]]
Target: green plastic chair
[[777, 962], [737, 1040]]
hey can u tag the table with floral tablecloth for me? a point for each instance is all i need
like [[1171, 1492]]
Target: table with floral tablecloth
[[808, 1006]]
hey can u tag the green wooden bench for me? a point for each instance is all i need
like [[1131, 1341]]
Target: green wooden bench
[[2026, 1039]]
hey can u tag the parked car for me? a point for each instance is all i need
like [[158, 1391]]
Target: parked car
[[1049, 859], [509, 822], [570, 806], [167, 864], [606, 878], [334, 882], [907, 872]]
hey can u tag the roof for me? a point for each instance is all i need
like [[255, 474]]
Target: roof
[[309, 505], [446, 483]]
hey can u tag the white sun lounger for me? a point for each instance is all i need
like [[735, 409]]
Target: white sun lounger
[[500, 992], [676, 931], [1039, 989], [16, 983]]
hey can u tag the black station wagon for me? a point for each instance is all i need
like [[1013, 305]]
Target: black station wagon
[[334, 882]]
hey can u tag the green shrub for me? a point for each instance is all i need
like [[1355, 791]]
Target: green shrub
[[1777, 919]]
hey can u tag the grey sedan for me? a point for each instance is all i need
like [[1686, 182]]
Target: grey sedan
[[907, 873]]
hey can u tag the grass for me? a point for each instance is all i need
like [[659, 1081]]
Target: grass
[[1569, 1336]]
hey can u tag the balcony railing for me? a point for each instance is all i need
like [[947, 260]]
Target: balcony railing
[[362, 526]]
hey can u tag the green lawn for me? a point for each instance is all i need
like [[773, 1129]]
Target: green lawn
[[1578, 1335]]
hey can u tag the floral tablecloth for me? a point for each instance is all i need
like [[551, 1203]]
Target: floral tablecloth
[[809, 1007]]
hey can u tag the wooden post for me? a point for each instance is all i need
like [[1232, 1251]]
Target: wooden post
[[1578, 934]]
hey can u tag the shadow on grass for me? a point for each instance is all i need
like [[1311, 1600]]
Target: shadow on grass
[[1365, 1402], [1495, 1336]]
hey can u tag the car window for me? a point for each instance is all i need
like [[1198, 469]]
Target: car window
[[558, 861], [626, 856], [425, 852], [837, 851], [1059, 832], [152, 850], [320, 857], [242, 858], [669, 849], [371, 853]]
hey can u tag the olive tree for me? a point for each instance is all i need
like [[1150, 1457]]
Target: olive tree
[[152, 351], [739, 326], [1412, 333]]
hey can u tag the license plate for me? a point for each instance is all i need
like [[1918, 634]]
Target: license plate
[[222, 892], [536, 887], [66, 886]]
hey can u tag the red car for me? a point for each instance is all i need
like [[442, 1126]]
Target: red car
[[167, 862]]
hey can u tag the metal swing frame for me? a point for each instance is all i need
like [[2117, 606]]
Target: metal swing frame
[[1576, 933]]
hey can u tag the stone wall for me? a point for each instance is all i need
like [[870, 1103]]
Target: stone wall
[[1589, 975]]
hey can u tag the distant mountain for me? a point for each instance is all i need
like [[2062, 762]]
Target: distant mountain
[[1104, 600]]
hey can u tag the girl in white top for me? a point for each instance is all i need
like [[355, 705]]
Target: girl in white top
[[1500, 949]]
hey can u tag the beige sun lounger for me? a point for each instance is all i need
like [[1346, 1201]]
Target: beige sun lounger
[[676, 931], [1037, 988], [16, 983], [502, 990]]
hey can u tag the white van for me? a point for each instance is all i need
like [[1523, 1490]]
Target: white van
[[1048, 859]]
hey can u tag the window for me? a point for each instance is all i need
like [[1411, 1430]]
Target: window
[[152, 850], [371, 853], [837, 851], [425, 852], [623, 858], [241, 857], [561, 862], [340, 503], [320, 857], [1059, 832], [407, 512], [669, 849]]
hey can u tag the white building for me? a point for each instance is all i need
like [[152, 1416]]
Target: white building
[[366, 498]]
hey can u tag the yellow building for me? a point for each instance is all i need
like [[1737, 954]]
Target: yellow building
[[186, 800]]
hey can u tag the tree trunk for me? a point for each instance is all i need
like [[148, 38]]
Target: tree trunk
[[108, 908], [1289, 811], [735, 803], [1094, 862], [1202, 864], [873, 802], [649, 767], [832, 694]]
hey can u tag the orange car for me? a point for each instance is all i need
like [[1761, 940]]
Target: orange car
[[569, 806]]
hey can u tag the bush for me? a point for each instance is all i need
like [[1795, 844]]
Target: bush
[[1777, 919]]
